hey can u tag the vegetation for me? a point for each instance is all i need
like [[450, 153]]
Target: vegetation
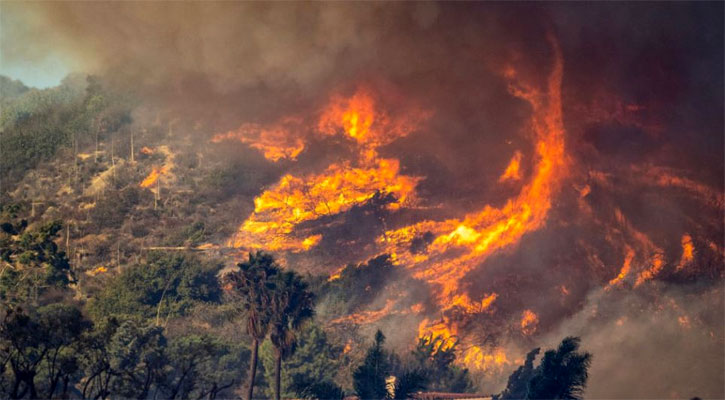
[[369, 378], [104, 294], [251, 288], [32, 264], [311, 368], [430, 366], [163, 287], [291, 306], [562, 374]]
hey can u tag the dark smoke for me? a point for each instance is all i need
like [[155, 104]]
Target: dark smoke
[[643, 94]]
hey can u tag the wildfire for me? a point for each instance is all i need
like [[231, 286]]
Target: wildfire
[[656, 266], [151, 178], [371, 316], [341, 186], [276, 142], [457, 245], [478, 357], [465, 302], [688, 251], [98, 270], [279, 211], [481, 233], [625, 267], [159, 171], [529, 322], [495, 360], [512, 171]]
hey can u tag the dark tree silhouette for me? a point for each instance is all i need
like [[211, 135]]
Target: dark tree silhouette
[[292, 305], [562, 374], [409, 382], [369, 378], [518, 383], [251, 286]]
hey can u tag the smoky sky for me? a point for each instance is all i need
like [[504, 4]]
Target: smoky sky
[[231, 62], [642, 94]]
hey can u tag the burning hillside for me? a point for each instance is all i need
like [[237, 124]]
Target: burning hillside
[[495, 175], [295, 215]]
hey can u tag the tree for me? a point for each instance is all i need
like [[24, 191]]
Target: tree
[[562, 374], [369, 378], [163, 286], [196, 367], [220, 373], [408, 382], [308, 389], [95, 359], [30, 262], [251, 288], [292, 305], [137, 358], [314, 363], [518, 383], [39, 347]]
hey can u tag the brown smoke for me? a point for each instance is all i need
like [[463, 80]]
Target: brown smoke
[[641, 102]]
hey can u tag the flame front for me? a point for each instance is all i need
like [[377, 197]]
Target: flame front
[[479, 234], [297, 199]]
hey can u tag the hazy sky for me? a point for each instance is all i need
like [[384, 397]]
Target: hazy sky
[[39, 66]]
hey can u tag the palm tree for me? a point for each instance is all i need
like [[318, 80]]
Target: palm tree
[[252, 288], [292, 305]]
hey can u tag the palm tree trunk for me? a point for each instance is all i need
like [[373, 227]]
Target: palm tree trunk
[[277, 374], [252, 369]]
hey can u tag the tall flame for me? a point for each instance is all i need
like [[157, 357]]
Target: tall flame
[[479, 234]]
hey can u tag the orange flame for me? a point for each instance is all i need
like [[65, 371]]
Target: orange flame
[[459, 244], [152, 177], [625, 267], [654, 269], [512, 171], [293, 200], [487, 360], [276, 142], [367, 317], [688, 252], [529, 322], [158, 171], [481, 233]]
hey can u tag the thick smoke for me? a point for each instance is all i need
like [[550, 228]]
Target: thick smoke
[[642, 106]]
